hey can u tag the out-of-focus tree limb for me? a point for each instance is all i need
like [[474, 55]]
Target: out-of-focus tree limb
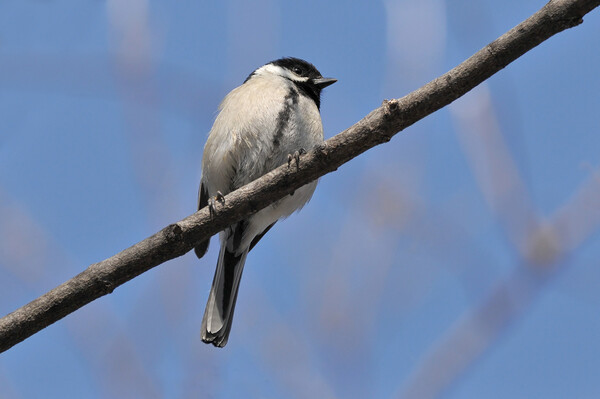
[[376, 128], [471, 335]]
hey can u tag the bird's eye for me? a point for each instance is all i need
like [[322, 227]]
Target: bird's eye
[[298, 71]]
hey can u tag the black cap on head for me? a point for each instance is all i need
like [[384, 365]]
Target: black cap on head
[[299, 67]]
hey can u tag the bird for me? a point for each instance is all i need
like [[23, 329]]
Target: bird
[[270, 119]]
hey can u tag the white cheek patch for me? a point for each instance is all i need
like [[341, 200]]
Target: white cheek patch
[[271, 69]]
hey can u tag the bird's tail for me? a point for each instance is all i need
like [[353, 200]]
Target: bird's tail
[[218, 315]]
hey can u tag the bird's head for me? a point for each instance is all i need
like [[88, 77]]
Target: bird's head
[[303, 74]]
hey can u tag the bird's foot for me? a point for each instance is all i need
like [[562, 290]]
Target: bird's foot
[[296, 156], [220, 198]]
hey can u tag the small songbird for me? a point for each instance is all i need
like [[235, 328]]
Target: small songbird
[[262, 124]]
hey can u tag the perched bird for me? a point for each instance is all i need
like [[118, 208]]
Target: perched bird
[[273, 114]]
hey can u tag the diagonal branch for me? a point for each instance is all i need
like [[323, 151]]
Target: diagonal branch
[[376, 128]]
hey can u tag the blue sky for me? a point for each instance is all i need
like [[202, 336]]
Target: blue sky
[[459, 260]]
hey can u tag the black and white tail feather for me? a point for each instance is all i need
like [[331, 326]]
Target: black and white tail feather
[[218, 315], [273, 114]]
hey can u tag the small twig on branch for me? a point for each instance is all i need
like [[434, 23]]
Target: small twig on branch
[[376, 128]]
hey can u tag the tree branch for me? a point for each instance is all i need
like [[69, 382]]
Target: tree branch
[[376, 128]]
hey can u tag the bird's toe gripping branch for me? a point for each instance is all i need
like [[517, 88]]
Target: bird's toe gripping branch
[[220, 198], [296, 156]]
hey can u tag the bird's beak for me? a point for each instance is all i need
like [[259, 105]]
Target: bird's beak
[[321, 83]]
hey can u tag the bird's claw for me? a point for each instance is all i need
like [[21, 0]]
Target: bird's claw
[[296, 156], [212, 201]]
